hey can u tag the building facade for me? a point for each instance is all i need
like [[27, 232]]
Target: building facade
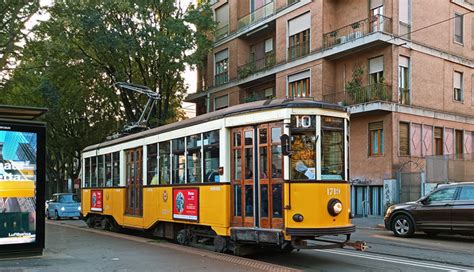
[[403, 68]]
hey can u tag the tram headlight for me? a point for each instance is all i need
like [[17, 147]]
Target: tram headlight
[[334, 207], [298, 217]]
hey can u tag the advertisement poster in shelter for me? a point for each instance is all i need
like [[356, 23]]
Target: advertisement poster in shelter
[[18, 172], [186, 204], [96, 200]]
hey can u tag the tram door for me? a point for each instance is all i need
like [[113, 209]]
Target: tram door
[[134, 170], [257, 176]]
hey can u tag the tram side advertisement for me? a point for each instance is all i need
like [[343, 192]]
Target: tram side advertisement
[[18, 180], [186, 204]]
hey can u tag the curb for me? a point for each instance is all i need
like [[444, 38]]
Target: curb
[[253, 264]]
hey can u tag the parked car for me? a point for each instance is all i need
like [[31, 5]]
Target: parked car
[[63, 205], [448, 209]]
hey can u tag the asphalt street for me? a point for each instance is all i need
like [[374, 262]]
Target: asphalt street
[[71, 246]]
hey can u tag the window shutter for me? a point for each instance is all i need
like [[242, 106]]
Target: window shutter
[[404, 144], [299, 76], [427, 141], [376, 65], [222, 55], [457, 80], [458, 25], [221, 102], [467, 142], [299, 24], [415, 149], [222, 16], [375, 3], [376, 126], [404, 11], [448, 141], [268, 45], [403, 61]]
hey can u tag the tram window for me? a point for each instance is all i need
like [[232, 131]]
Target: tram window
[[262, 139], [237, 200], [237, 164], [165, 163], [248, 137], [303, 160], [249, 200], [100, 171], [276, 133], [277, 162], [264, 200], [263, 162], [179, 161], [152, 170], [277, 211], [248, 163], [116, 168], [211, 156], [332, 148], [94, 172], [108, 170], [194, 158], [237, 139], [87, 172]]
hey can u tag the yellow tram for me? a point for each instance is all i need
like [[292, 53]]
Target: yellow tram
[[267, 173]]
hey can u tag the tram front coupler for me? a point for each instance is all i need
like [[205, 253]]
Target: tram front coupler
[[358, 245]]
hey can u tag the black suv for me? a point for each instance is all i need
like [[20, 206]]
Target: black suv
[[449, 208]]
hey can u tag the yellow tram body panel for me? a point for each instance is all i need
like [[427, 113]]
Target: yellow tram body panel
[[214, 206], [311, 200]]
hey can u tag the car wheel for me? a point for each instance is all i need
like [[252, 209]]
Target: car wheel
[[56, 215], [402, 226], [47, 214]]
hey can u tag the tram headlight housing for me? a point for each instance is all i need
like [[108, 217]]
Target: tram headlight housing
[[335, 207], [298, 217]]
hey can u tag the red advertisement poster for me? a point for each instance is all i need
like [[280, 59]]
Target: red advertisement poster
[[186, 204], [96, 200]]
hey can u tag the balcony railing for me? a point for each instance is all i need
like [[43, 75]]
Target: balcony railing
[[404, 96], [221, 78], [221, 33], [376, 23], [254, 66], [257, 15], [298, 51], [369, 93]]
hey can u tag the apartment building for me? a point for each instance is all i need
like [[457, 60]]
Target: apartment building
[[403, 68]]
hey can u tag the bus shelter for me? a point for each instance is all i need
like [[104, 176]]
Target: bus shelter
[[22, 181]]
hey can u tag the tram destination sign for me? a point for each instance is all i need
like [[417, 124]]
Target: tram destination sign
[[186, 204]]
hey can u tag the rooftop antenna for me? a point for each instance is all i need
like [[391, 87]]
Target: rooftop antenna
[[142, 123]]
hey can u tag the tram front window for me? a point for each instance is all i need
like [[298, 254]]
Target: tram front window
[[332, 148]]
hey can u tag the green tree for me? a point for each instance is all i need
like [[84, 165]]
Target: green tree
[[13, 16], [71, 62]]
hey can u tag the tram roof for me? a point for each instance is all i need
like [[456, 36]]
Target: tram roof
[[230, 111]]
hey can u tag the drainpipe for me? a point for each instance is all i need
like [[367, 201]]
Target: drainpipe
[[208, 103]]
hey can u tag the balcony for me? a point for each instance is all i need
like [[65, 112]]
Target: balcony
[[359, 29], [298, 50], [364, 94], [258, 65], [256, 15], [221, 33]]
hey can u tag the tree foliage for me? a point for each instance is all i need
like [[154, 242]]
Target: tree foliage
[[74, 58]]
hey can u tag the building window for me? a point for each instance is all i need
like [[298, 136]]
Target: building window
[[221, 67], [404, 133], [299, 36], [438, 138], [457, 86], [221, 102], [376, 13], [376, 70], [404, 17], [459, 142], [299, 85], [458, 28], [404, 80], [222, 19], [376, 139]]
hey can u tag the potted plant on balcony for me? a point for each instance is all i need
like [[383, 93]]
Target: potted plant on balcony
[[248, 68], [354, 87]]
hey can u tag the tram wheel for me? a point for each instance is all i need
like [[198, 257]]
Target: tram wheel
[[183, 237], [90, 222], [220, 244], [105, 224]]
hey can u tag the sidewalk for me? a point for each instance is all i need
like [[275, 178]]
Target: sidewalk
[[368, 222]]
